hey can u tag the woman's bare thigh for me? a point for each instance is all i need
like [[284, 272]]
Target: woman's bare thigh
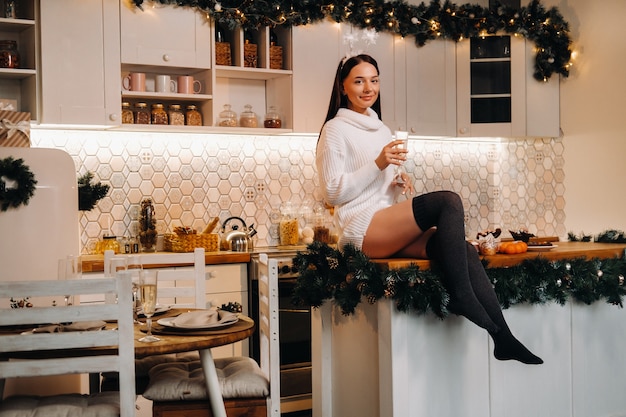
[[391, 230]]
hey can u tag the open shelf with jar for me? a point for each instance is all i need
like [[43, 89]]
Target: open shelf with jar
[[18, 58], [259, 75]]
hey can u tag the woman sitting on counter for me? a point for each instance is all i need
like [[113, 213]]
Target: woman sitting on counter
[[355, 158]]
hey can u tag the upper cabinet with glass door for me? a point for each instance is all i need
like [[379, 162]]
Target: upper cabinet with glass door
[[497, 95]]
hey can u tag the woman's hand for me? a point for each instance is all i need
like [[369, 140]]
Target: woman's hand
[[406, 184], [391, 155]]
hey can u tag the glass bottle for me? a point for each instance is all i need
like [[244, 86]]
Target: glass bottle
[[248, 117], [159, 115], [10, 9], [193, 116], [127, 114], [175, 115], [227, 117], [9, 56], [272, 119], [142, 115]]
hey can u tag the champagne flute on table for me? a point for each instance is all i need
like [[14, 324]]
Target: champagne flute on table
[[399, 169], [135, 267], [69, 268], [148, 294]]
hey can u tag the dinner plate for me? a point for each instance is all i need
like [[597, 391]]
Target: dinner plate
[[169, 322], [157, 311], [541, 248]]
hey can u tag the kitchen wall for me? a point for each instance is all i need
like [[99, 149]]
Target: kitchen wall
[[592, 115], [194, 177]]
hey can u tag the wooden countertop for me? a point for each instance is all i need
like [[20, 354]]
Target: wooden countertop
[[563, 250], [95, 263]]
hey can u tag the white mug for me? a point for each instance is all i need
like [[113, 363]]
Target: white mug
[[164, 84], [187, 85]]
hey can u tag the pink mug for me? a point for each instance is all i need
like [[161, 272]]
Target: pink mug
[[135, 81], [187, 85]]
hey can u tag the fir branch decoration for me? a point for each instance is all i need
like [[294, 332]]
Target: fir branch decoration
[[21, 183], [89, 194], [424, 22], [346, 277]]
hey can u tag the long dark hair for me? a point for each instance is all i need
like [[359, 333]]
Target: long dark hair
[[337, 98]]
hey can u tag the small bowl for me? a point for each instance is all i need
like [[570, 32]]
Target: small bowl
[[521, 235]]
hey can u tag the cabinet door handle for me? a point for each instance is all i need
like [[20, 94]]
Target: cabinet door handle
[[166, 57], [113, 117], [211, 274]]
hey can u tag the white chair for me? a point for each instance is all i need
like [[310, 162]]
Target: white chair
[[45, 353], [178, 388], [182, 277], [181, 284]]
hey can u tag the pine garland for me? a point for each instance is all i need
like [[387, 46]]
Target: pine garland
[[90, 193], [425, 22], [346, 277]]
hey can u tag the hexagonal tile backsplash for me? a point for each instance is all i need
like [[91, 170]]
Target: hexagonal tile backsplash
[[194, 177]]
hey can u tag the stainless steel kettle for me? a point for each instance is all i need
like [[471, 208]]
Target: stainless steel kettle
[[238, 238]]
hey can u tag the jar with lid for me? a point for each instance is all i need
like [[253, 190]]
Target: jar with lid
[[288, 226], [321, 232], [127, 114], [9, 56], [108, 243], [193, 116], [175, 115], [159, 115], [227, 117], [142, 115], [272, 119], [248, 117]]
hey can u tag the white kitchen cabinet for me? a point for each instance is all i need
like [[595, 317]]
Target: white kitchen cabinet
[[228, 283], [317, 50], [164, 35], [20, 84], [526, 107], [425, 87], [80, 62]]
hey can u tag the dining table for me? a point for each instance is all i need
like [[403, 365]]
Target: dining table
[[174, 340]]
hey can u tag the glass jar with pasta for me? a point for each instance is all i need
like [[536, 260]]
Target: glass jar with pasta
[[288, 227]]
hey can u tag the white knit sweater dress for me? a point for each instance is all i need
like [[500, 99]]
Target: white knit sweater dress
[[349, 177]]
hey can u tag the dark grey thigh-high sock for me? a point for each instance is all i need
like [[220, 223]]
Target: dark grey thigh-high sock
[[444, 210], [506, 345]]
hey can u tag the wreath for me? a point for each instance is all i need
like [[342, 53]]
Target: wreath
[[14, 170]]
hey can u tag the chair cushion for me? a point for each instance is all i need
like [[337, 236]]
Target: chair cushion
[[239, 377], [106, 404]]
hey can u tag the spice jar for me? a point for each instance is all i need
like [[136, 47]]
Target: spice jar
[[175, 115], [127, 114], [227, 117], [272, 118], [9, 56], [108, 243], [159, 115], [193, 116], [248, 117], [142, 115]]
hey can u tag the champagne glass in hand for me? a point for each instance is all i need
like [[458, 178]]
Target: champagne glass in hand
[[399, 169], [148, 294]]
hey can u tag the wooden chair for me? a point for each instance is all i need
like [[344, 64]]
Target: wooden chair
[[50, 349], [181, 284], [249, 390], [182, 277]]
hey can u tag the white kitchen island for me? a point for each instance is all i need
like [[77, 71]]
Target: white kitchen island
[[381, 363]]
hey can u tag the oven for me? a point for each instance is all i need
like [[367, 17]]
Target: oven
[[292, 335]]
